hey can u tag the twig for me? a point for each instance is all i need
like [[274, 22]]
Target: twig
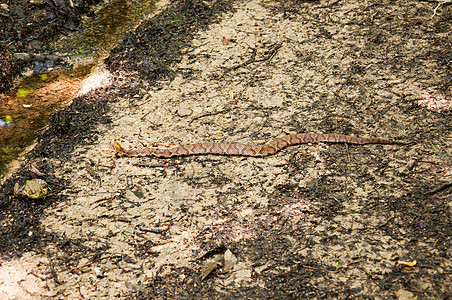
[[146, 165], [253, 59], [386, 223], [441, 2], [439, 189], [31, 57], [100, 200], [212, 3], [89, 263], [214, 113], [82, 266], [154, 230], [52, 269], [348, 153], [6, 15]]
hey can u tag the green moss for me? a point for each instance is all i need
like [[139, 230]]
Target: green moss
[[23, 92]]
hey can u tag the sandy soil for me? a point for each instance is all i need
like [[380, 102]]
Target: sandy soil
[[313, 221]]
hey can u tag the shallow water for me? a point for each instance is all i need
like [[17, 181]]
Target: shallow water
[[25, 111]]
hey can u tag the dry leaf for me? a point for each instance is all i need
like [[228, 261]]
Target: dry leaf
[[211, 265], [34, 169], [229, 260]]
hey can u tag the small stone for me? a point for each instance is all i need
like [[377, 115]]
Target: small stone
[[405, 295], [35, 44], [183, 111], [99, 272]]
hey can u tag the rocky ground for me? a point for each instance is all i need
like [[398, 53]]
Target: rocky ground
[[313, 221]]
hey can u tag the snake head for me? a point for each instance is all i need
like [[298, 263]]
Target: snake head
[[118, 147]]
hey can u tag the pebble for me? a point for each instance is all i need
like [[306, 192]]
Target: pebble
[[4, 123]]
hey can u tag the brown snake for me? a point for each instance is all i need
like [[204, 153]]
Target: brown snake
[[250, 150]]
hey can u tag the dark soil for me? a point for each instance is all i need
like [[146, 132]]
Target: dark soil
[[32, 26], [23, 23], [9, 68]]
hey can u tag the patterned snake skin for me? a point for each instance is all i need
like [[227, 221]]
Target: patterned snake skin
[[250, 150]]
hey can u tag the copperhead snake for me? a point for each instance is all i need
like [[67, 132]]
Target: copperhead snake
[[250, 150]]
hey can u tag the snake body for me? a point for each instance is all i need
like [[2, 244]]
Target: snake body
[[250, 150]]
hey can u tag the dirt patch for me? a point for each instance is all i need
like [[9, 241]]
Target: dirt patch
[[41, 95], [312, 221], [33, 25], [8, 67]]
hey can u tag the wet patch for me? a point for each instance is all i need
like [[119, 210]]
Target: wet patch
[[28, 108]]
